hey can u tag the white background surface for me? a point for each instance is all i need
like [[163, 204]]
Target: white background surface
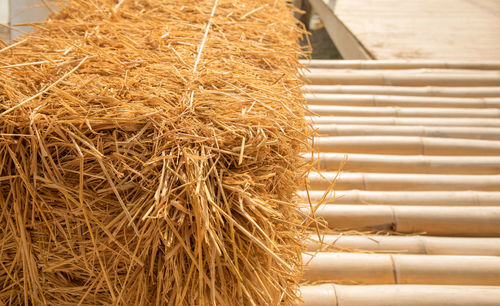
[[4, 11]]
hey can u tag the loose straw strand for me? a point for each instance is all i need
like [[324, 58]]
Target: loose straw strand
[[46, 89], [202, 45]]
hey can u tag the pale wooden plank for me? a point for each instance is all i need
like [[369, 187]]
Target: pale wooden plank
[[4, 11], [347, 44], [425, 29]]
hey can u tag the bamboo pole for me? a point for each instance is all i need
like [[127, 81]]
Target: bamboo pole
[[402, 269], [400, 64], [406, 244], [319, 295], [403, 198], [394, 111], [399, 71], [491, 133], [403, 101], [408, 163], [398, 295], [411, 71], [430, 91], [407, 145], [403, 181], [331, 77], [348, 267], [356, 217], [421, 121], [466, 221]]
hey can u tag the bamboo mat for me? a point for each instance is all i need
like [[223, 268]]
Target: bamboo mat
[[414, 215]]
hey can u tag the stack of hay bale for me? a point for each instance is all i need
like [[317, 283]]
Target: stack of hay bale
[[149, 154]]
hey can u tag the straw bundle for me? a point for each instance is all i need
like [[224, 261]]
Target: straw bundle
[[149, 155]]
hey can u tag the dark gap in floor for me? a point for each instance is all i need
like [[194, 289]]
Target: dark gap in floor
[[322, 46]]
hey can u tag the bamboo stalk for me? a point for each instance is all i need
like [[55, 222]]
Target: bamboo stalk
[[402, 269], [407, 145], [466, 221], [409, 71], [420, 198], [403, 101], [407, 244], [386, 111], [491, 133], [319, 295], [400, 64], [357, 217], [397, 295], [430, 91], [408, 163], [326, 77], [422, 121], [349, 268], [403, 181]]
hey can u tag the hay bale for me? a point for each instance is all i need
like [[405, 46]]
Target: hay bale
[[149, 155]]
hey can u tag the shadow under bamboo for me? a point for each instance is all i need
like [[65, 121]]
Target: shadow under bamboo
[[461, 221], [402, 269], [397, 295]]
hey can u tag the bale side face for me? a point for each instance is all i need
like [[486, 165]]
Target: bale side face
[[149, 154]]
